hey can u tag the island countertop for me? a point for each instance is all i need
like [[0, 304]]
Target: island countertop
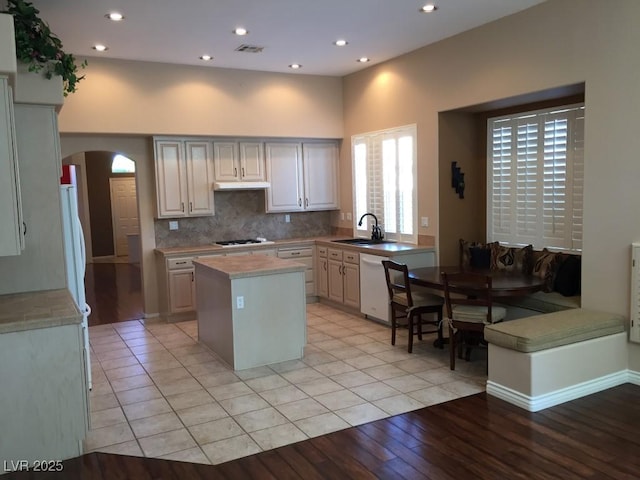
[[243, 266]]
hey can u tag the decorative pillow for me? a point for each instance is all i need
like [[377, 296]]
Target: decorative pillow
[[465, 251], [480, 257], [545, 267], [512, 259], [568, 276]]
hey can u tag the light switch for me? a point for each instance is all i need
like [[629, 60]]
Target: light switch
[[173, 225], [348, 215], [424, 221], [240, 302], [287, 218]]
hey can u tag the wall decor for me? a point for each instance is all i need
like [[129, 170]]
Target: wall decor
[[457, 179]]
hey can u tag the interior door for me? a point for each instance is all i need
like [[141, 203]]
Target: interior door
[[124, 212]]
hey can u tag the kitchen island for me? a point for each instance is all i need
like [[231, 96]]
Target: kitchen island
[[251, 310]]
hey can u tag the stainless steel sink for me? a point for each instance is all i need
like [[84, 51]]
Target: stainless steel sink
[[362, 241]]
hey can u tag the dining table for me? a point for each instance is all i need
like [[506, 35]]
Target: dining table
[[504, 283]]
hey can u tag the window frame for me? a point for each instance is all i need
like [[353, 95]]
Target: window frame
[[374, 140]]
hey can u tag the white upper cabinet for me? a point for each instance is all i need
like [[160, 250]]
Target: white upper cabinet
[[12, 232], [320, 175], [284, 174], [302, 176], [226, 161], [199, 178], [184, 178], [252, 162], [238, 164]]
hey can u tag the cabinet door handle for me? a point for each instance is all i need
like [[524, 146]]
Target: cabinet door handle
[[192, 277], [295, 253], [324, 265], [235, 172], [299, 202], [182, 204], [24, 229], [242, 172], [344, 271], [191, 206], [306, 202]]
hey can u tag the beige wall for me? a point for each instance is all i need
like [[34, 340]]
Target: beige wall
[[560, 42], [120, 104], [124, 97]]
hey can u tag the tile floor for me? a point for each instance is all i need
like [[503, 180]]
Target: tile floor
[[158, 393]]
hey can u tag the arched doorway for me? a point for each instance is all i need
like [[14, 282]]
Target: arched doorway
[[108, 210]]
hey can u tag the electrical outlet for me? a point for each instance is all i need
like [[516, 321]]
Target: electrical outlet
[[341, 215], [348, 215], [240, 302], [287, 218], [173, 225], [424, 221]]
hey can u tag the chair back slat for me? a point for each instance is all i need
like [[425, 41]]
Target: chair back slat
[[398, 283]]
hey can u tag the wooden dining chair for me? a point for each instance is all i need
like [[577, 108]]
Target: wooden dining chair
[[411, 304], [469, 304]]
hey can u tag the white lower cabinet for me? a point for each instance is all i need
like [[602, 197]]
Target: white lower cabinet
[[343, 277], [302, 254], [182, 288]]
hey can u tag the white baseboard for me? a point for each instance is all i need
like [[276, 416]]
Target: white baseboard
[[540, 402]]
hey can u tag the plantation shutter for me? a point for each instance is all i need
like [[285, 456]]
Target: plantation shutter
[[536, 177], [386, 160]]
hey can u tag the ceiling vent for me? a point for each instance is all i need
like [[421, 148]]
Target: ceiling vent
[[249, 48]]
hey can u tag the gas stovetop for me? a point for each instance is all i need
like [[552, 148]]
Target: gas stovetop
[[243, 243]]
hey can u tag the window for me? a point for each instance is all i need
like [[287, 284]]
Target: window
[[535, 178], [122, 164], [384, 172]]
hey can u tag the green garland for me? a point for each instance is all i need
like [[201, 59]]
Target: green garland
[[39, 48]]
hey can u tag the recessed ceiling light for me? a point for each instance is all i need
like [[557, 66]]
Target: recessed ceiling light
[[115, 16], [295, 66], [206, 58], [100, 48], [340, 43], [428, 8], [241, 31], [364, 59]]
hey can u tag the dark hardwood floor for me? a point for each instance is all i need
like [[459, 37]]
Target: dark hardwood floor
[[114, 292], [476, 437]]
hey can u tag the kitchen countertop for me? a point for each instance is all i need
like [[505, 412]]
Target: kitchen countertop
[[34, 310], [377, 249], [249, 266]]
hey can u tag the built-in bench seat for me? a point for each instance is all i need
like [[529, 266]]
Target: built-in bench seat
[[544, 360], [561, 273], [544, 302]]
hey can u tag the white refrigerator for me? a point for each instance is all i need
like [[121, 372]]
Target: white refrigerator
[[75, 261]]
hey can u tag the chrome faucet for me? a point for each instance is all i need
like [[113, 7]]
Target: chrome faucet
[[376, 231]]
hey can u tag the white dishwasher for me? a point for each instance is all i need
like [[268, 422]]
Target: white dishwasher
[[374, 296]]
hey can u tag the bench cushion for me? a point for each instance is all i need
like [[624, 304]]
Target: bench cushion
[[541, 332], [544, 302]]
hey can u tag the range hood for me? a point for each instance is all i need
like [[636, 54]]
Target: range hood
[[240, 185]]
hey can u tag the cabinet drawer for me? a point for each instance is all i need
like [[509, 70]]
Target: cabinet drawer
[[335, 254], [296, 253], [351, 257], [175, 263], [322, 252]]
